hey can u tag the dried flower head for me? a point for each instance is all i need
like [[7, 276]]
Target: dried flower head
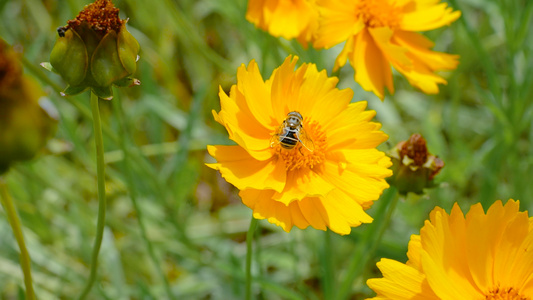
[[414, 168], [27, 118]]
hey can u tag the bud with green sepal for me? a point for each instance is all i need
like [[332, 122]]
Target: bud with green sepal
[[95, 50], [413, 167], [27, 117]]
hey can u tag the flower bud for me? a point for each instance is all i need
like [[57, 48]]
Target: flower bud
[[27, 118], [95, 50], [414, 168]]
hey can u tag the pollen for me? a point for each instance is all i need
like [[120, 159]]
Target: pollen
[[379, 13], [101, 15], [505, 294], [299, 156]]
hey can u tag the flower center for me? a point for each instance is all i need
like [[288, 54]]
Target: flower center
[[300, 156], [379, 13], [504, 294]]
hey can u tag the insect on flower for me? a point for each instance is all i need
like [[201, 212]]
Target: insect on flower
[[290, 132]]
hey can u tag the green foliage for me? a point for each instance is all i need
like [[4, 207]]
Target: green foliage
[[186, 226]]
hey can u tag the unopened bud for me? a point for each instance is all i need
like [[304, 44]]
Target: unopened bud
[[95, 50]]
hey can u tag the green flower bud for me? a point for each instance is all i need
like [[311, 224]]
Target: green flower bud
[[95, 50], [413, 167], [27, 118]]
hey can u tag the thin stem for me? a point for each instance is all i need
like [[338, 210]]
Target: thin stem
[[327, 266], [369, 240], [14, 221], [100, 174], [133, 195], [249, 238]]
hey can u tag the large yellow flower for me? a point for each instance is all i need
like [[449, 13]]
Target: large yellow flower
[[483, 256], [379, 33], [328, 185], [286, 18]]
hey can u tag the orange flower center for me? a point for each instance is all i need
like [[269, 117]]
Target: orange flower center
[[504, 294], [379, 13], [299, 156]]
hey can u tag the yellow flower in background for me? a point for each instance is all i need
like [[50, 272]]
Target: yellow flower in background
[[285, 18], [482, 256], [381, 33], [324, 173]]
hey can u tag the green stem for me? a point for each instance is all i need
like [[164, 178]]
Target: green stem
[[327, 267], [488, 63], [100, 174], [133, 195], [249, 238], [369, 240], [14, 221]]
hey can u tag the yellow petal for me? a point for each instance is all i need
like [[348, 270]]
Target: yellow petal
[[343, 212], [393, 53], [424, 62], [372, 70], [400, 282], [418, 48], [242, 127], [428, 17], [243, 171], [444, 262], [362, 188], [255, 91], [314, 213], [347, 51], [441, 283], [414, 252], [260, 201], [302, 183], [338, 22]]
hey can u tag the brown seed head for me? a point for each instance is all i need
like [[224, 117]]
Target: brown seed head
[[101, 15], [415, 148], [10, 69]]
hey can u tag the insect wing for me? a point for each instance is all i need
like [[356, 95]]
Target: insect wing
[[275, 139], [305, 140]]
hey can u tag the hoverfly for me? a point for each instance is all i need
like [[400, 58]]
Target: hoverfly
[[290, 132], [61, 31]]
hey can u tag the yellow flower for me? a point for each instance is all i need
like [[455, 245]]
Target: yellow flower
[[286, 18], [329, 181], [379, 33], [482, 256]]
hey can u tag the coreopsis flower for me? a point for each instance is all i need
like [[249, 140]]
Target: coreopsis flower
[[305, 156], [27, 117], [95, 50], [285, 18], [381, 33], [414, 168], [480, 256]]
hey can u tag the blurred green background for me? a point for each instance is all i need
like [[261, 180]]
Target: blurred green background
[[480, 124]]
